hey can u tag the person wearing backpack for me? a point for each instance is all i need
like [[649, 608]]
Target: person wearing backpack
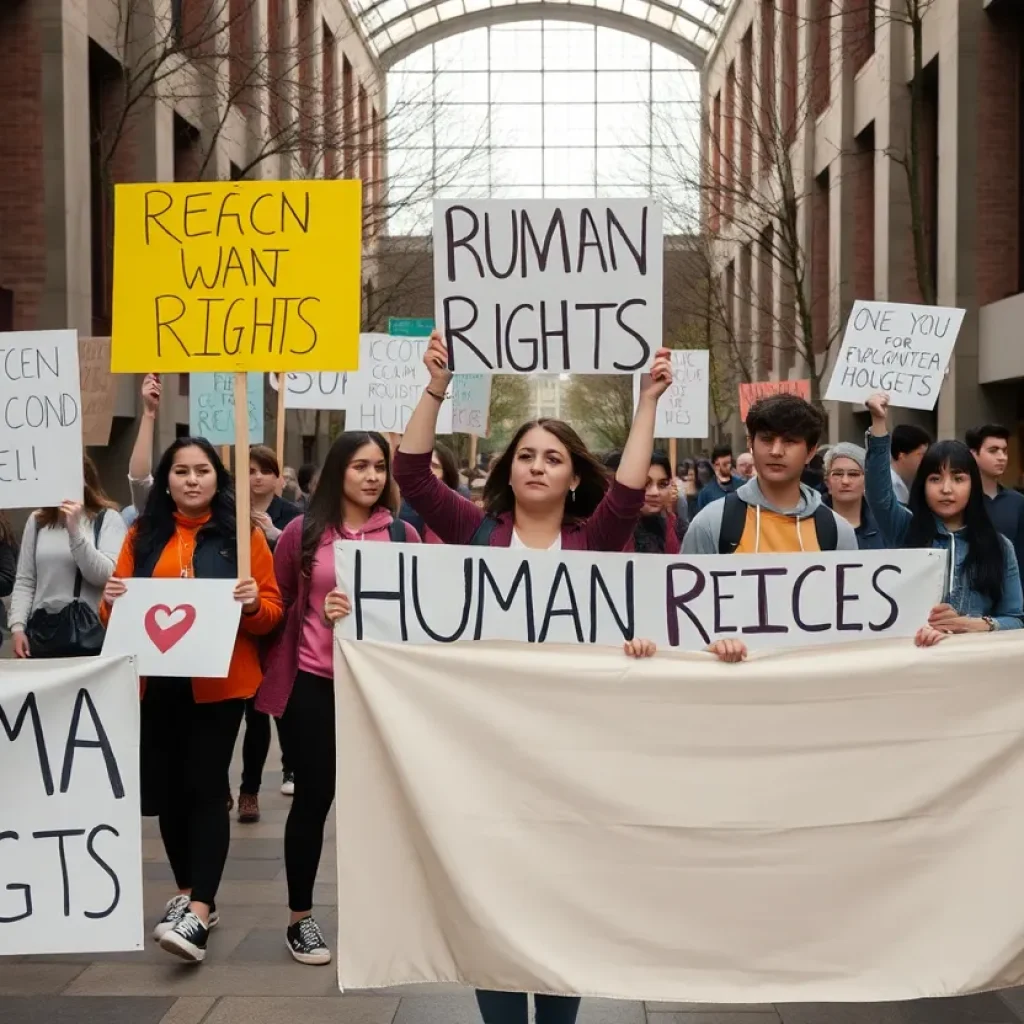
[[67, 555], [775, 512], [355, 500]]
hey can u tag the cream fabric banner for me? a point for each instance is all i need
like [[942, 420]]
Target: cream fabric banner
[[822, 825]]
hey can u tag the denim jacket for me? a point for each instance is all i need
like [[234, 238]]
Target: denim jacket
[[894, 520]]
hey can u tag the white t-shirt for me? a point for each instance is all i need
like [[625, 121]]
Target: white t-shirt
[[517, 543]]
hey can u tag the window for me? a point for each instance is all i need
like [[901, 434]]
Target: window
[[542, 109]]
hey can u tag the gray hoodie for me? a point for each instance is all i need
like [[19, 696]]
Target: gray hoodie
[[702, 536]]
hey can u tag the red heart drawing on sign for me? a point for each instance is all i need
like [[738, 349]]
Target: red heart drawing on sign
[[167, 633]]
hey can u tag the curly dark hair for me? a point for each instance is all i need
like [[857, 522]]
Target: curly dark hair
[[786, 416]]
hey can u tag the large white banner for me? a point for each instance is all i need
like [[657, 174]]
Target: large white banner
[[41, 410], [442, 594], [547, 285], [823, 826], [70, 827]]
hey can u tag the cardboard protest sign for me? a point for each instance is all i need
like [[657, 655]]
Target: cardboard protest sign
[[99, 390], [211, 407], [750, 393], [41, 399], [548, 286], [471, 403], [72, 836], [441, 594], [237, 275], [175, 627], [390, 380], [828, 825], [683, 409], [313, 390], [895, 347]]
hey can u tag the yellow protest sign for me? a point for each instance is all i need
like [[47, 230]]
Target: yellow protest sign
[[238, 275]]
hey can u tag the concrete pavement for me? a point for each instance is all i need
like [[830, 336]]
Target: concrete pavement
[[249, 977]]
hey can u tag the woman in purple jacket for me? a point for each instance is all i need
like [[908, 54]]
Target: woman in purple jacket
[[547, 491]]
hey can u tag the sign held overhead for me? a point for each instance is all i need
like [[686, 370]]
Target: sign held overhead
[[898, 348], [549, 286], [683, 409]]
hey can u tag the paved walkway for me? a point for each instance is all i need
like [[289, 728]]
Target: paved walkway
[[249, 977]]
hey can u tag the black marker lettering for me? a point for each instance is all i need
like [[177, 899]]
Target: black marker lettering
[[28, 708], [720, 599], [597, 307], [807, 627], [627, 625], [451, 332], [572, 610], [842, 598], [452, 243], [513, 256], [60, 835], [164, 319], [894, 611], [155, 215], [467, 602], [190, 212], [17, 887], [587, 220], [645, 349], [556, 224], [505, 601], [639, 254], [676, 603], [763, 625], [361, 595], [97, 915], [101, 743]]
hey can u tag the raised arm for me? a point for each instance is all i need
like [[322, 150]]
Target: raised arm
[[421, 429], [635, 462], [892, 517], [140, 464]]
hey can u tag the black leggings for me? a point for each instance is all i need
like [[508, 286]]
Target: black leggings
[[256, 746], [513, 1008], [309, 720], [186, 753]]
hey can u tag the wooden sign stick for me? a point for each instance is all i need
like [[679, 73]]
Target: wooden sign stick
[[244, 527], [280, 419], [225, 456], [672, 452]]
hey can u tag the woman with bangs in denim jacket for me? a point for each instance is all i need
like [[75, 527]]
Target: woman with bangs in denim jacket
[[947, 511]]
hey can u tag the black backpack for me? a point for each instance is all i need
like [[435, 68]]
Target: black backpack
[[734, 520], [396, 532]]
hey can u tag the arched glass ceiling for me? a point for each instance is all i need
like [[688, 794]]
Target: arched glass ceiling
[[397, 28]]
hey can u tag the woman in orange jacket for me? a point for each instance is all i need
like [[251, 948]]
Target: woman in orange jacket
[[189, 726]]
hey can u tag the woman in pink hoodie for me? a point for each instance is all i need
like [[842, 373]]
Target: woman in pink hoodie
[[355, 499]]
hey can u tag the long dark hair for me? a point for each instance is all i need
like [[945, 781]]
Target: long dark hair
[[986, 557], [328, 500], [593, 477], [649, 533], [449, 467], [155, 524], [94, 498]]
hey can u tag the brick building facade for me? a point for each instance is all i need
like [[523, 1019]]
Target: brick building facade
[[825, 86], [220, 89]]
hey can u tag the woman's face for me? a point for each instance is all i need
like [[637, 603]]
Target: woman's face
[[846, 481], [365, 476], [435, 466], [947, 492], [261, 481], [192, 481], [542, 472], [656, 490]]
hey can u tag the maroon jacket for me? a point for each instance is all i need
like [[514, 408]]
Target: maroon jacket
[[455, 519]]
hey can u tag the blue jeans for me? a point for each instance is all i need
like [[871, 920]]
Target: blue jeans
[[513, 1008]]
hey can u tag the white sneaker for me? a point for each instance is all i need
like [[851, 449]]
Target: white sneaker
[[288, 783]]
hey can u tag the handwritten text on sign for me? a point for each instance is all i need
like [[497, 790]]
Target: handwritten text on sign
[[70, 844], [548, 286], [40, 395], [99, 390], [237, 276], [211, 407], [313, 390], [895, 347], [444, 594], [390, 380], [683, 409]]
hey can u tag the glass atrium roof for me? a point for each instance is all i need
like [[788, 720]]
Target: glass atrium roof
[[397, 28]]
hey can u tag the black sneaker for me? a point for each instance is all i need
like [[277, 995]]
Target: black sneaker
[[187, 939], [177, 907], [307, 943]]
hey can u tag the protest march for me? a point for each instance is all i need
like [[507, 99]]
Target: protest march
[[600, 721]]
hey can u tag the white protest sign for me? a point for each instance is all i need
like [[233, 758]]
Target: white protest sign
[[441, 594], [391, 377], [41, 399], [71, 839], [548, 286], [683, 409], [175, 627], [313, 390], [471, 403], [895, 347]]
